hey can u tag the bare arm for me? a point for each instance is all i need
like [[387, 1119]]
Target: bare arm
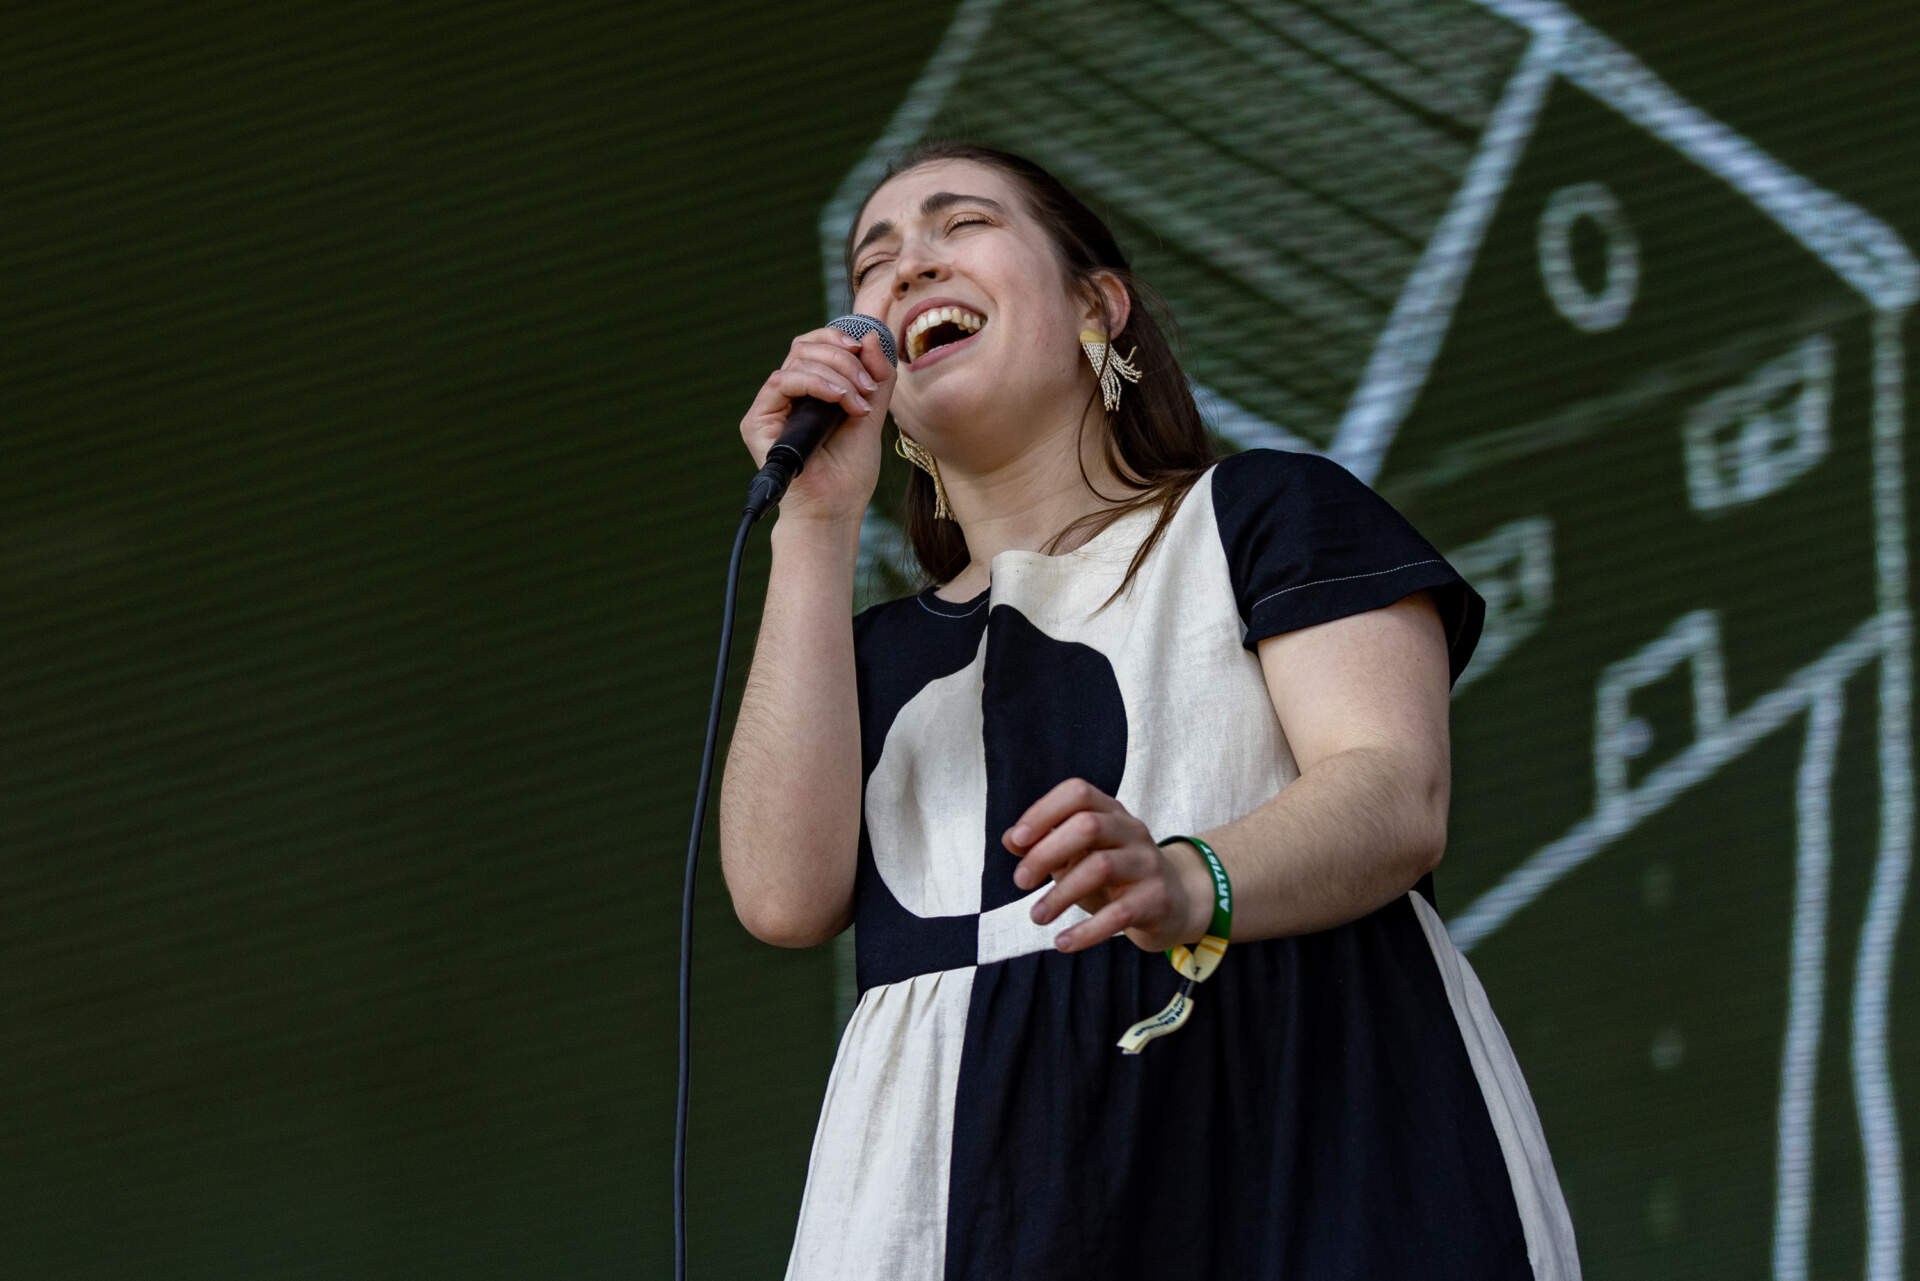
[[790, 800], [790, 796], [1363, 701]]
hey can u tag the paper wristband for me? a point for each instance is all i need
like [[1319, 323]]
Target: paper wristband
[[1194, 964]]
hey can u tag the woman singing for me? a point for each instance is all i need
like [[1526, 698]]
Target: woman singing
[[1135, 807]]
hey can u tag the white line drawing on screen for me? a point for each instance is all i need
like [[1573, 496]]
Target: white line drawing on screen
[[1793, 1180], [1404, 353], [1512, 569], [1619, 736], [1742, 443], [1873, 966], [1734, 447], [1585, 309]]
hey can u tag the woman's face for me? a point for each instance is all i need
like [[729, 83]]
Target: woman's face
[[949, 257]]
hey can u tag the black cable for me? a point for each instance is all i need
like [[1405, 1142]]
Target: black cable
[[686, 904]]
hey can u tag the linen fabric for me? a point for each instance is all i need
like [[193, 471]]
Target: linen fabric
[[1340, 1104]]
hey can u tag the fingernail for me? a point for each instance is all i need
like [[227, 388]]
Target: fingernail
[[836, 389], [861, 401], [866, 381], [1019, 833]]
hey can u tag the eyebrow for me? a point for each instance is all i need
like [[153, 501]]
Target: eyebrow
[[933, 204]]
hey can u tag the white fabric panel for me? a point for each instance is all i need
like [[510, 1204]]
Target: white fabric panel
[[1008, 930], [1195, 757], [875, 1207], [1536, 1189], [926, 801]]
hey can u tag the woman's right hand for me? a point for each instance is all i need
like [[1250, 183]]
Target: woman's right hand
[[840, 476]]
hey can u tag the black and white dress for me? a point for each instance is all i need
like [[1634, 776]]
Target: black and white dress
[[1340, 1104]]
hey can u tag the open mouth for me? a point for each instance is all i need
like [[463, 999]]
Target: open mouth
[[939, 327]]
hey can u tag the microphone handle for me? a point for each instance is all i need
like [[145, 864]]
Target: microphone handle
[[808, 423]]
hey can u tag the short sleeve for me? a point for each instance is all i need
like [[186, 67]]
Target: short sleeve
[[1306, 542]]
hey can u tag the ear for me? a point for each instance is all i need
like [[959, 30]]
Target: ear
[[1110, 306]]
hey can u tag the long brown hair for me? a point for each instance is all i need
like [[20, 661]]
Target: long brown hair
[[1157, 444]]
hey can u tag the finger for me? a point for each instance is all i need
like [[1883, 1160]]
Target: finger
[[822, 383], [773, 404], [1100, 869], [1065, 844], [832, 337], [1126, 912], [836, 357], [875, 359], [1046, 813], [836, 366]]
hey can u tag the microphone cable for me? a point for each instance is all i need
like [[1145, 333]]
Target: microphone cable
[[808, 422], [686, 902]]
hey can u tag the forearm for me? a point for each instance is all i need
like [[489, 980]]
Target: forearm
[[790, 798], [1351, 834]]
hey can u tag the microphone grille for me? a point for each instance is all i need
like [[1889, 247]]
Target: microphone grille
[[855, 325]]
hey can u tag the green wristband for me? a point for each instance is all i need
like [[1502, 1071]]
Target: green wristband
[[1222, 923], [1194, 964]]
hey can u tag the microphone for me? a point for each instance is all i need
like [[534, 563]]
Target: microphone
[[808, 423]]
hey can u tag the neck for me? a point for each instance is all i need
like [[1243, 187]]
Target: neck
[[1023, 501]]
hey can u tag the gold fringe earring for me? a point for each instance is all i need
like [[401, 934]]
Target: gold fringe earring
[[1109, 366], [916, 453]]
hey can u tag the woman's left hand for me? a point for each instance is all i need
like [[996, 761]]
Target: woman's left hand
[[1103, 858]]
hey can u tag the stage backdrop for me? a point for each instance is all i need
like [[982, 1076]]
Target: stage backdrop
[[371, 381]]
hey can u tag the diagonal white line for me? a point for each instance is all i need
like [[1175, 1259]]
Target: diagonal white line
[[1594, 833], [1404, 352], [910, 119]]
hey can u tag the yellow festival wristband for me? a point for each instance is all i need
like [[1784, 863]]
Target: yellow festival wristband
[[1193, 964]]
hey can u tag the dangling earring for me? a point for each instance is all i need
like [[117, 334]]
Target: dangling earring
[[916, 453], [1109, 366]]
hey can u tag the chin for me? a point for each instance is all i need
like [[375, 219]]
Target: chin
[[944, 411]]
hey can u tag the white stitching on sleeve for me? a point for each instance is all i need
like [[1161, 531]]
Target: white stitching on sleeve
[[1345, 578]]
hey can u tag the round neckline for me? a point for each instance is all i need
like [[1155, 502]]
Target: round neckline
[[951, 608], [958, 608]]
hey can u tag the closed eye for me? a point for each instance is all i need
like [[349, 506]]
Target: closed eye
[[953, 225]]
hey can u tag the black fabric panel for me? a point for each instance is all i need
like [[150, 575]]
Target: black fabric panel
[[1316, 1118], [900, 647], [1307, 543], [1052, 711], [891, 944]]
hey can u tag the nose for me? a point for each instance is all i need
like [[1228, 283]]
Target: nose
[[925, 275], [918, 268]]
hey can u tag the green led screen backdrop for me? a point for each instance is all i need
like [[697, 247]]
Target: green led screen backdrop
[[371, 380]]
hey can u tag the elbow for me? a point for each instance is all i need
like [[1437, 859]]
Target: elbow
[[1425, 820], [1419, 842], [777, 899], [1430, 829], [782, 915], [786, 928], [1428, 851]]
